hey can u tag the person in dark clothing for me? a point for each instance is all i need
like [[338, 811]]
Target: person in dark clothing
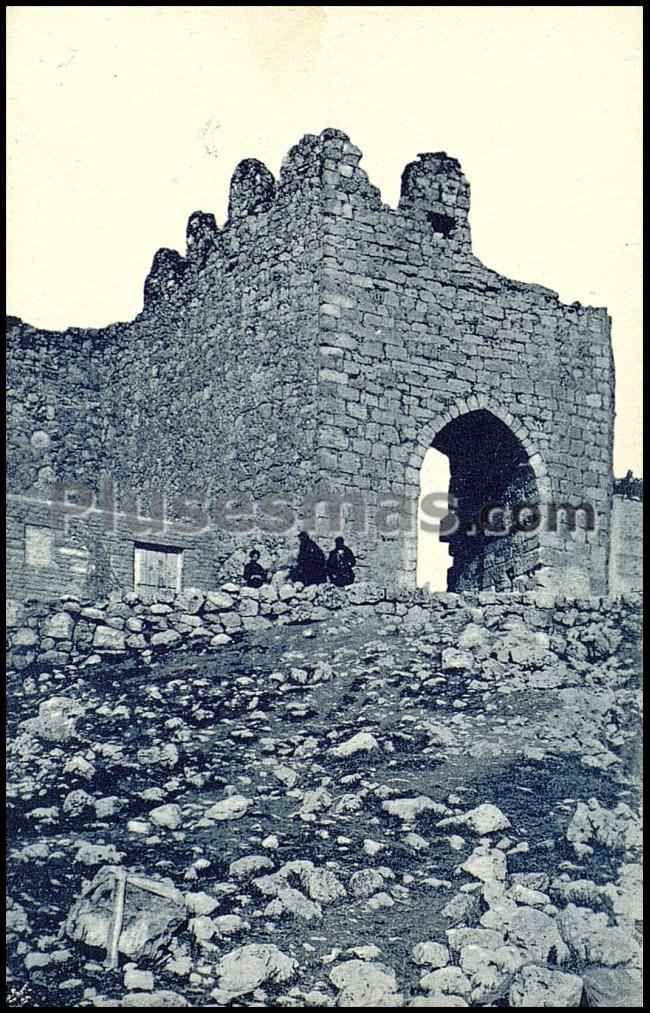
[[340, 564], [254, 574], [628, 485], [310, 565]]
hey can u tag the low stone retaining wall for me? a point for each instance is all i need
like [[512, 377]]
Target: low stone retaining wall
[[71, 631]]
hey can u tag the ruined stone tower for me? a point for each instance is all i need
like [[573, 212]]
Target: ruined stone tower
[[318, 343]]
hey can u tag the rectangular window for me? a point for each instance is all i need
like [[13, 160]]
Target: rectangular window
[[157, 568], [39, 546]]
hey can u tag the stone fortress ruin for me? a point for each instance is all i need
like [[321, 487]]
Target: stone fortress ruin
[[311, 351]]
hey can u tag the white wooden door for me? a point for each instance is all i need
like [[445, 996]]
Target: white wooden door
[[157, 568]]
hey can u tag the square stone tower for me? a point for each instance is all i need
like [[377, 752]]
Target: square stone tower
[[303, 357]]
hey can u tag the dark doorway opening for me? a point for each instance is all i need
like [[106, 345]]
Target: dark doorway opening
[[492, 531]]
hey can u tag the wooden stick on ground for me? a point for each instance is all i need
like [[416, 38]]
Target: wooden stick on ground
[[117, 919]]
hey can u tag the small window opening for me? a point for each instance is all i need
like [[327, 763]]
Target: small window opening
[[444, 224]]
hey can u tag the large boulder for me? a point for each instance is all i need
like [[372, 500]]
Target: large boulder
[[486, 819], [56, 721], [626, 894], [409, 809], [448, 981], [323, 886], [487, 864], [166, 638], [488, 939], [168, 817], [534, 986], [190, 600], [154, 999], [593, 940], [537, 936], [362, 742], [159, 756], [150, 920], [287, 900], [618, 829], [430, 954], [231, 808], [365, 983], [219, 601], [490, 971], [613, 986], [455, 660], [365, 882], [248, 967], [439, 999]]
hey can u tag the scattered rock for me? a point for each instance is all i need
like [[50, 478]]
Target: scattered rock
[[56, 721], [232, 808], [366, 882], [243, 970], [168, 816], [363, 742], [363, 983], [409, 809], [448, 981], [432, 955], [138, 981], [486, 864], [534, 986], [592, 940]]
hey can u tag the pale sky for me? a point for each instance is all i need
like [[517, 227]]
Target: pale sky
[[123, 120]]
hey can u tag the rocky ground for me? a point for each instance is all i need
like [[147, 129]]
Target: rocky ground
[[348, 812]]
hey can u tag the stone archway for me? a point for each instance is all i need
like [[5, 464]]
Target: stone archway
[[497, 488]]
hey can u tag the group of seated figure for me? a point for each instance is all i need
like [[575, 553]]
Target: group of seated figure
[[310, 566]]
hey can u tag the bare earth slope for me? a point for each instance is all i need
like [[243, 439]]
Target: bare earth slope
[[350, 812]]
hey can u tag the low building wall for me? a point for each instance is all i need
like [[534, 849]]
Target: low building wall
[[626, 546], [74, 631]]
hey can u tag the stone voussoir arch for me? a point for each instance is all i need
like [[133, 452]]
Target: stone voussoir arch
[[480, 402], [459, 408]]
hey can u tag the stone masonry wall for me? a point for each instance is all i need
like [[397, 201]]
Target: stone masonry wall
[[70, 630], [54, 431], [626, 555], [209, 393], [319, 340], [415, 331]]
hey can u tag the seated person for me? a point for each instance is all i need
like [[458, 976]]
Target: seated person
[[254, 574], [310, 565], [340, 564]]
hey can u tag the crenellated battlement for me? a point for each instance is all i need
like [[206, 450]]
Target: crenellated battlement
[[324, 171]]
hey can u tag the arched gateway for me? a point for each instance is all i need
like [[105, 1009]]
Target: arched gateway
[[493, 498], [496, 501]]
